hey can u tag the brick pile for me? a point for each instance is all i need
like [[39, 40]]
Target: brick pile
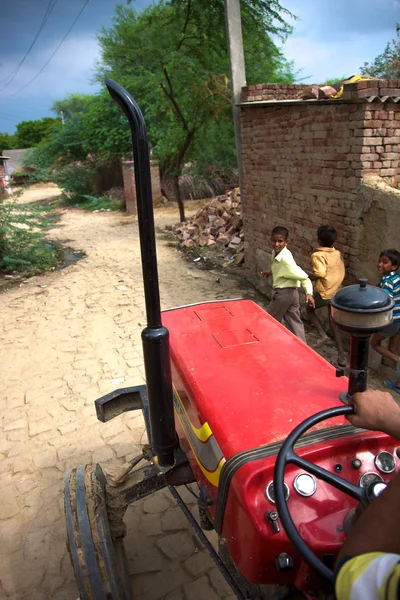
[[217, 224]]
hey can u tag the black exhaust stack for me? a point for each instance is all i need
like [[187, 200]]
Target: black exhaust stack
[[155, 337]]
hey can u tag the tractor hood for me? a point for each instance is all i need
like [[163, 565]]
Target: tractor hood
[[242, 377]]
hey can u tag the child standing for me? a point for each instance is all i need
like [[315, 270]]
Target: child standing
[[328, 272], [388, 263], [287, 277]]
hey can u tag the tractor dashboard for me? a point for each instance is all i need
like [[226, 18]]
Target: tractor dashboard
[[322, 514]]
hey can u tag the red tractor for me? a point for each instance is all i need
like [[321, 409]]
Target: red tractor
[[238, 405]]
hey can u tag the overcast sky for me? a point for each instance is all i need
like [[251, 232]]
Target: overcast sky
[[331, 38]]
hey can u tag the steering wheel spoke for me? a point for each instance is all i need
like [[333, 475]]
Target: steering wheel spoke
[[338, 482]]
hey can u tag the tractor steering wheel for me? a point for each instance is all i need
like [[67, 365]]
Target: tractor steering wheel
[[287, 455]]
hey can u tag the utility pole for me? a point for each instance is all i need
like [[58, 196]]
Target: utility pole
[[237, 69], [62, 116]]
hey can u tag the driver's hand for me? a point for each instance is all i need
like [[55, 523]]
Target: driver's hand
[[376, 410]]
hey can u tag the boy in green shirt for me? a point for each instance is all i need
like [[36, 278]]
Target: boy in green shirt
[[287, 277]]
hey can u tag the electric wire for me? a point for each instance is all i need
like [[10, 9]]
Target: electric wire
[[55, 51], [14, 73], [8, 119], [4, 114]]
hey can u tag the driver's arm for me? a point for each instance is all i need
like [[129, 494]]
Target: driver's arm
[[376, 410], [369, 561]]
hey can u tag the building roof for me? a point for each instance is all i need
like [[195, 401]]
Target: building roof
[[16, 158]]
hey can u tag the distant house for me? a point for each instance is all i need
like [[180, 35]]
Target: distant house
[[16, 159], [4, 182]]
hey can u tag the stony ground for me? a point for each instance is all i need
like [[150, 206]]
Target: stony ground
[[66, 338]]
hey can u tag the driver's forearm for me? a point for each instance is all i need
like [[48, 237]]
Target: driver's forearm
[[378, 528]]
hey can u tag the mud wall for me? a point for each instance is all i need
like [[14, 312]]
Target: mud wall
[[128, 174], [379, 223]]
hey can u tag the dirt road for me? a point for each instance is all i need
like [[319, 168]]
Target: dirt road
[[65, 338]]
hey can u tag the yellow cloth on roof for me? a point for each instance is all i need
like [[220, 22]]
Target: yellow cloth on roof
[[352, 79]]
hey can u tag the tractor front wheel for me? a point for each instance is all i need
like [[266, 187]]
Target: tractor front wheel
[[99, 561]]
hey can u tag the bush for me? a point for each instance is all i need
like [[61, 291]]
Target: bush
[[76, 181], [103, 203], [23, 245]]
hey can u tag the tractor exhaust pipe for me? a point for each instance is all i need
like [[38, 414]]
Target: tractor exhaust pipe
[[155, 337]]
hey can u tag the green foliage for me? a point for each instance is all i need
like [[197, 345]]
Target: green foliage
[[387, 64], [103, 203], [71, 105], [95, 135], [30, 133], [23, 245], [334, 80], [76, 180], [173, 59], [7, 142], [264, 15]]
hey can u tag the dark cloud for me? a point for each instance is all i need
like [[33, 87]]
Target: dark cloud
[[71, 68], [331, 38]]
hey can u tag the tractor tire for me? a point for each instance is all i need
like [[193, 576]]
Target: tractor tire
[[99, 561]]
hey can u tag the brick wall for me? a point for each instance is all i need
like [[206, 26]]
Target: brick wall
[[304, 162], [128, 175], [271, 91]]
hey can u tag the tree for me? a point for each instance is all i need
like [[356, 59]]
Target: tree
[[172, 57], [30, 133], [72, 105], [387, 64], [7, 142], [334, 80], [95, 135]]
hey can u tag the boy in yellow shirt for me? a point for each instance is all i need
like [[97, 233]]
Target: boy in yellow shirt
[[287, 277], [328, 274]]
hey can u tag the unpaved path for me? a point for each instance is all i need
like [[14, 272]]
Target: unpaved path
[[39, 193], [65, 337]]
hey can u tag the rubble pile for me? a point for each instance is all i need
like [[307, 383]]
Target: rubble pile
[[218, 224]]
